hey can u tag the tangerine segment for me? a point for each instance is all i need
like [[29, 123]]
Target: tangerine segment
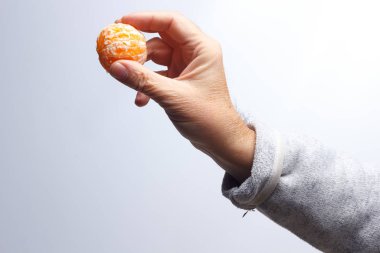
[[120, 42]]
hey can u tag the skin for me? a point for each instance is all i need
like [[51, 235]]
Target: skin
[[192, 91]]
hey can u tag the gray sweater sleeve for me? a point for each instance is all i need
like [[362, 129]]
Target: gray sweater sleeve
[[324, 197]]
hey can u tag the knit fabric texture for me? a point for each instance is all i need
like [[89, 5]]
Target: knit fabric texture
[[324, 197]]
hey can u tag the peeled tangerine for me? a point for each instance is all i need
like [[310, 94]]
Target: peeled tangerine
[[120, 42]]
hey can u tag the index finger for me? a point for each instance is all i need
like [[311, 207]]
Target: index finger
[[179, 28]]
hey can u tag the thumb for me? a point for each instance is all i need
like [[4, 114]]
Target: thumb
[[140, 78]]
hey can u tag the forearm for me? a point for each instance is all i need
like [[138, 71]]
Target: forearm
[[232, 146], [324, 197]]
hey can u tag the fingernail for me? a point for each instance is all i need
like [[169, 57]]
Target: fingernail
[[118, 71]]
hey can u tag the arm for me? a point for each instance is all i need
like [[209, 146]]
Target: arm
[[324, 197], [192, 90]]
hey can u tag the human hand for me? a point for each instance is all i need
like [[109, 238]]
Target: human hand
[[192, 91]]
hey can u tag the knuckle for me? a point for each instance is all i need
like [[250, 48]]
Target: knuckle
[[216, 44], [215, 48], [140, 80]]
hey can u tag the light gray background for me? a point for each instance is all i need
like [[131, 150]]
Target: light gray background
[[84, 170]]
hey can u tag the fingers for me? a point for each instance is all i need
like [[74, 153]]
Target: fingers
[[142, 99], [162, 72], [179, 28], [142, 79], [159, 52]]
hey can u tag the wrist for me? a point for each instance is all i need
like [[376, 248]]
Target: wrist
[[236, 152]]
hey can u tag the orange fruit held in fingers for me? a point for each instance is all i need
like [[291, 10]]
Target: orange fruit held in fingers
[[120, 42]]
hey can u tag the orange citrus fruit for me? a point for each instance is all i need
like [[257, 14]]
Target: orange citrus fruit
[[120, 42]]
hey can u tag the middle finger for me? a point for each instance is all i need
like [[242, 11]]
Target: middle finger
[[159, 51]]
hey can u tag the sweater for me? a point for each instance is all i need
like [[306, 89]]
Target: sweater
[[323, 196]]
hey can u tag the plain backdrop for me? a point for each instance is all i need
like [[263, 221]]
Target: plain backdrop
[[82, 169]]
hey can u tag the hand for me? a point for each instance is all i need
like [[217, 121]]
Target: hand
[[192, 91]]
